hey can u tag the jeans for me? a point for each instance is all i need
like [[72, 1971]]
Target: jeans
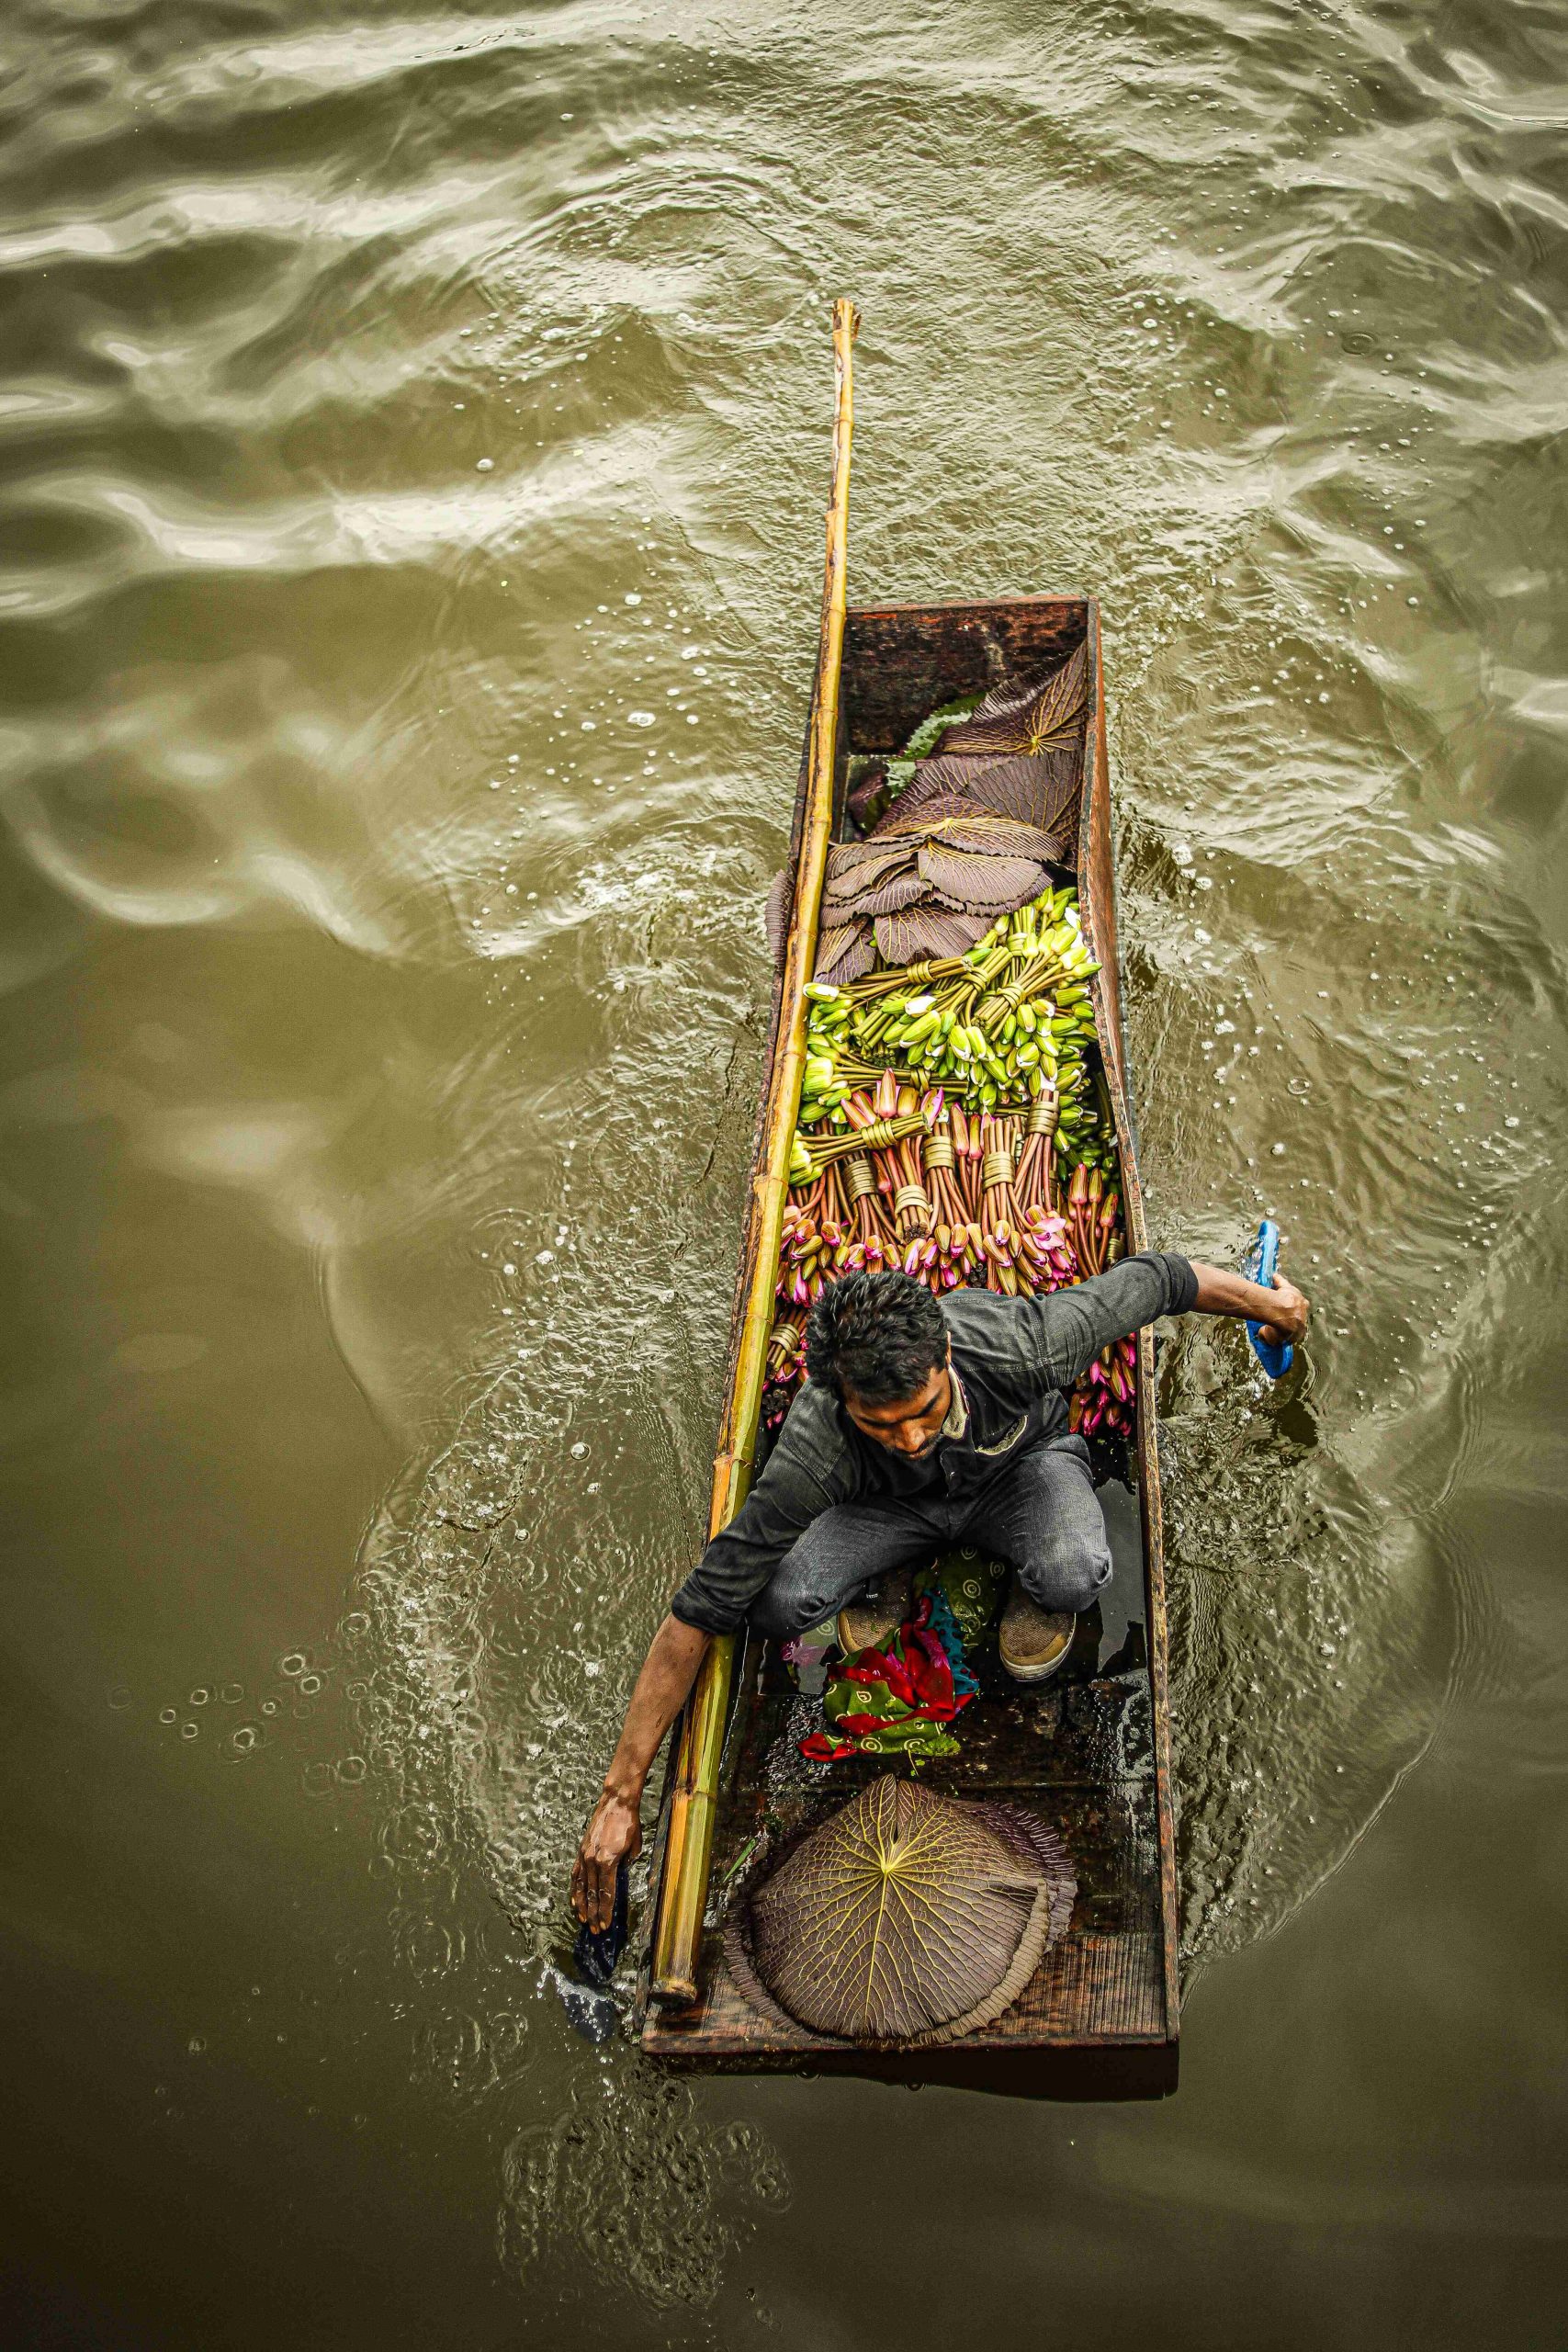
[[1041, 1514]]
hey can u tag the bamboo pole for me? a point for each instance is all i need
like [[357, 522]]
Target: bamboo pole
[[688, 1851]]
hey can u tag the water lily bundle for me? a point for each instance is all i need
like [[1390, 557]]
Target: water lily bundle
[[996, 1025], [900, 1176], [951, 1123], [874, 1244], [1000, 1236], [1033, 1186], [955, 1225], [1048, 1252], [813, 1242], [1102, 1402]]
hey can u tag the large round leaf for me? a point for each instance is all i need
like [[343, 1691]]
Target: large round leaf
[[907, 1917]]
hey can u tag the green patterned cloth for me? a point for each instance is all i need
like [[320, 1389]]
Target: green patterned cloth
[[901, 1700], [972, 1586]]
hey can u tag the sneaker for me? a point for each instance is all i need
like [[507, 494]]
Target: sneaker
[[1033, 1641], [871, 1621]]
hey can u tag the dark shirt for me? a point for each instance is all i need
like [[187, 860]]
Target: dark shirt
[[1017, 1361]]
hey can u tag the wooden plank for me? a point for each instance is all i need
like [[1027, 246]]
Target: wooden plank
[[1096, 884], [902, 661], [1088, 1988]]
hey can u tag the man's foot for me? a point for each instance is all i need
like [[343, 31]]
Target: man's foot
[[1033, 1641], [871, 1621]]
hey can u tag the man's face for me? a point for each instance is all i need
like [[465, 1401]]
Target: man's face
[[910, 1425]]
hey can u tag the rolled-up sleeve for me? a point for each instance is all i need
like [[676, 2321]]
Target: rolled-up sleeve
[[740, 1559], [1070, 1327]]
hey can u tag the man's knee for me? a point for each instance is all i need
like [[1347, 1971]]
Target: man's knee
[[794, 1598], [1070, 1575], [777, 1614]]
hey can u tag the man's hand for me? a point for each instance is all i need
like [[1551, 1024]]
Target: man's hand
[[613, 1835], [1280, 1313], [1286, 1326]]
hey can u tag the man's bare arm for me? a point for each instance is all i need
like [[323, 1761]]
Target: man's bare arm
[[1281, 1312], [613, 1833]]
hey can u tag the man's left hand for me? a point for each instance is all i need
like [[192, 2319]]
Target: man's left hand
[[1286, 1326]]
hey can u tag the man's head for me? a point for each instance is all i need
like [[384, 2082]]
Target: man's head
[[879, 1342]]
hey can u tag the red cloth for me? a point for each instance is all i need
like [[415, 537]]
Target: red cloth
[[909, 1683]]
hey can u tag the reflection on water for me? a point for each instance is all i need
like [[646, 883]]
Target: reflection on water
[[412, 431]]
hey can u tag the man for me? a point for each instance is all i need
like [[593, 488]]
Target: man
[[923, 1423]]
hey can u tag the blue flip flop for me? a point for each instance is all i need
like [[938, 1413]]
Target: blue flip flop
[[1258, 1265]]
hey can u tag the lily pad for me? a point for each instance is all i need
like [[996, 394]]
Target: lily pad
[[1042, 718], [908, 1916], [921, 934], [884, 898], [846, 952], [998, 884]]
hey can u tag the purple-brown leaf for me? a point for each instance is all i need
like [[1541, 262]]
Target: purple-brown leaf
[[998, 884], [884, 898], [1042, 718], [844, 953], [920, 935], [1034, 791]]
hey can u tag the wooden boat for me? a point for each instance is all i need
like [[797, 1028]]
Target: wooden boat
[[1089, 1751]]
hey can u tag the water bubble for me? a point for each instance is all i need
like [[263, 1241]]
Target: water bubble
[[311, 1684], [485, 466], [187, 1731], [166, 1715], [232, 1693], [199, 1696], [352, 1770], [196, 2045], [269, 1706], [357, 1622], [294, 1663], [243, 1738], [318, 1778], [119, 1696]]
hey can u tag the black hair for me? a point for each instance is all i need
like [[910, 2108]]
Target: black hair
[[879, 1336]]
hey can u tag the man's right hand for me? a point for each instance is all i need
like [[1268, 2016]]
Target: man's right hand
[[613, 1835]]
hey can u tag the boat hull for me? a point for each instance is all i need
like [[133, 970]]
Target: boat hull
[[1088, 1752]]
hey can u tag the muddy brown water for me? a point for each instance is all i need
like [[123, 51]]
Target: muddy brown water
[[413, 435]]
